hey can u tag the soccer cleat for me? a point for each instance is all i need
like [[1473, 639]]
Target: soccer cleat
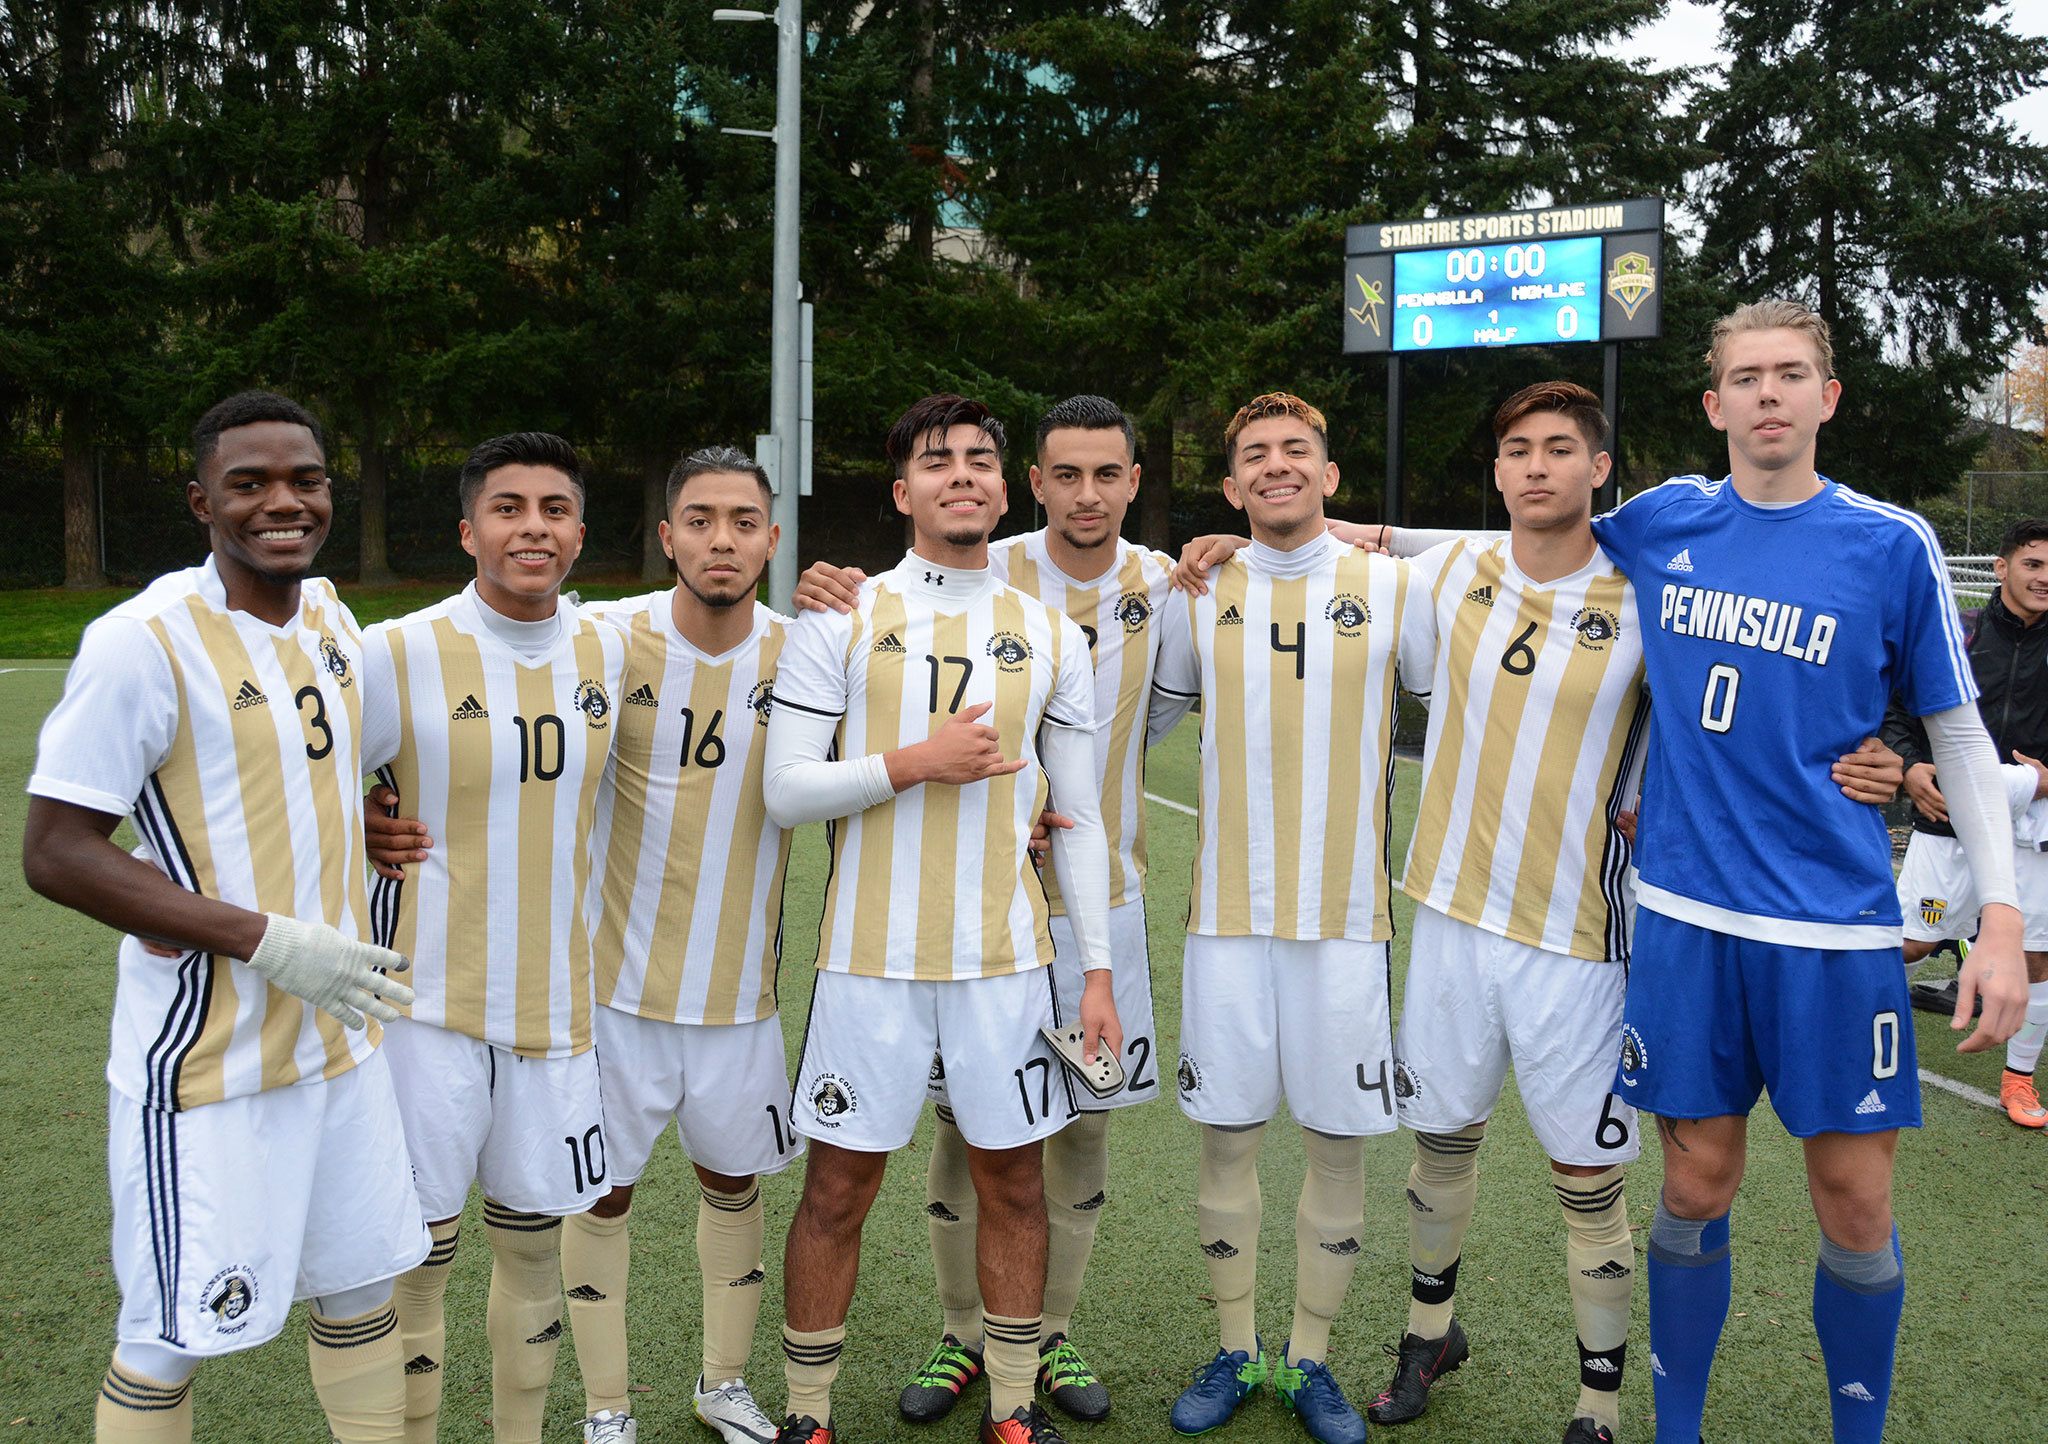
[[1311, 1392], [1583, 1430], [610, 1426], [1421, 1363], [1065, 1378], [730, 1412], [939, 1382], [1220, 1387], [2021, 1103], [803, 1431], [1029, 1425]]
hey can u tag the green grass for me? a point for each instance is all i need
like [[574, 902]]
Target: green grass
[[1972, 1197]]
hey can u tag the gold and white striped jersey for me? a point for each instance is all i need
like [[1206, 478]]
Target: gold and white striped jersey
[[500, 758], [1536, 732], [233, 747], [937, 883], [684, 904], [1122, 613], [1295, 656]]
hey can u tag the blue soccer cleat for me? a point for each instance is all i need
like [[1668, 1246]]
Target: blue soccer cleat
[[1311, 1391], [1220, 1386]]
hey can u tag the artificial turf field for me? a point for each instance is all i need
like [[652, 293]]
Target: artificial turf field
[[1972, 1204]]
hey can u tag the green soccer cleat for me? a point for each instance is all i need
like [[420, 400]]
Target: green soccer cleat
[[939, 1382], [1065, 1378]]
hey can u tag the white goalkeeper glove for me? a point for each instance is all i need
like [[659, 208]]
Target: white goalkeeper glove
[[337, 975]]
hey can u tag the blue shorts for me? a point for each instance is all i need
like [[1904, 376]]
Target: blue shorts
[[1711, 1020]]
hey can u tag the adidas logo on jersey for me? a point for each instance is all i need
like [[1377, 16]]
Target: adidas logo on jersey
[[1612, 1269], [1855, 1390], [642, 696], [889, 643], [469, 710], [1482, 595], [1231, 617], [1680, 563], [1871, 1103], [587, 1294], [250, 695]]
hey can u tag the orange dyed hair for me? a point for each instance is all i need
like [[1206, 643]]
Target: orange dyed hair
[[1274, 403]]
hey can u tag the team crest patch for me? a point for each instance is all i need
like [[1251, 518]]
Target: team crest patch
[[938, 1072], [1406, 1084], [1933, 910], [1596, 627], [1190, 1075], [762, 701], [1634, 1056], [1010, 650], [1348, 612], [594, 703], [336, 661], [228, 1297], [1133, 611], [832, 1098]]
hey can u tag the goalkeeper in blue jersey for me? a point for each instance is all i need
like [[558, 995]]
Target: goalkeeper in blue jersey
[[1767, 942]]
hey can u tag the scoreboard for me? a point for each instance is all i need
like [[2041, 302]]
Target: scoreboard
[[1514, 278]]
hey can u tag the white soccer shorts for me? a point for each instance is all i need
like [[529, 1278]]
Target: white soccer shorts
[[226, 1213], [1262, 1019], [725, 1085], [530, 1131], [1939, 896], [1474, 1003], [873, 1045]]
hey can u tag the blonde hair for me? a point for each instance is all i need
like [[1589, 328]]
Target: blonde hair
[[1770, 315], [1273, 403]]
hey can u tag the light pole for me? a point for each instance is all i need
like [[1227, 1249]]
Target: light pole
[[785, 465]]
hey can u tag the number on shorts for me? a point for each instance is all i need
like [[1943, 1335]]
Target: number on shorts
[[1612, 1132], [783, 1141], [586, 1158], [1140, 1049], [1044, 1067], [1884, 1045], [1381, 1088]]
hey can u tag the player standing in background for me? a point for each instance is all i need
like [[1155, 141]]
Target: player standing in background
[[254, 1142], [1781, 610], [935, 934], [1293, 654], [1086, 477], [492, 715], [1937, 894]]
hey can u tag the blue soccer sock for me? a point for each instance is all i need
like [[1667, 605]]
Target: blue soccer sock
[[1857, 1300], [1691, 1280]]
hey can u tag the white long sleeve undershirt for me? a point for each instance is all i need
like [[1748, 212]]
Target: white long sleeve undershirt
[[1966, 769]]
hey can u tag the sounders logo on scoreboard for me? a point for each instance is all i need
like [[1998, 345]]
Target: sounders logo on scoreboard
[[1631, 280]]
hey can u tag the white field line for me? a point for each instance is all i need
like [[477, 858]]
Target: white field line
[[1169, 802], [5, 670]]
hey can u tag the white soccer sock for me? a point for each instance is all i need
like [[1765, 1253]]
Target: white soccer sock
[[2023, 1050]]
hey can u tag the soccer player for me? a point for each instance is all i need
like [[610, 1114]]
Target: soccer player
[[1937, 893], [1293, 653], [1086, 477], [1781, 610], [254, 1140], [931, 698], [492, 715]]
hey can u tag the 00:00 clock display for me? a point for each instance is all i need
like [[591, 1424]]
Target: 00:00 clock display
[[1525, 294]]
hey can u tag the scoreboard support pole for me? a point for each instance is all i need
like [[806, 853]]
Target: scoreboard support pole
[[1610, 402], [1397, 459]]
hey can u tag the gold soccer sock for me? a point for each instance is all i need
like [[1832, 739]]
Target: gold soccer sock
[[1600, 1263], [1443, 1185], [1012, 1362], [1076, 1169], [136, 1409], [595, 1255], [950, 1212], [419, 1296], [1227, 1212], [729, 1229], [524, 1321], [810, 1362], [1327, 1223], [358, 1368]]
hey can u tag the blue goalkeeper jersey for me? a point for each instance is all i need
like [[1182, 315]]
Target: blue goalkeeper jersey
[[1773, 637]]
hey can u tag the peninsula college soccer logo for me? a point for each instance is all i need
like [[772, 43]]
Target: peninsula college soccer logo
[[1133, 611], [1348, 612], [1634, 1056], [1596, 627], [832, 1098], [336, 661], [592, 702], [762, 701], [1190, 1075], [1406, 1084], [228, 1297], [1010, 650]]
